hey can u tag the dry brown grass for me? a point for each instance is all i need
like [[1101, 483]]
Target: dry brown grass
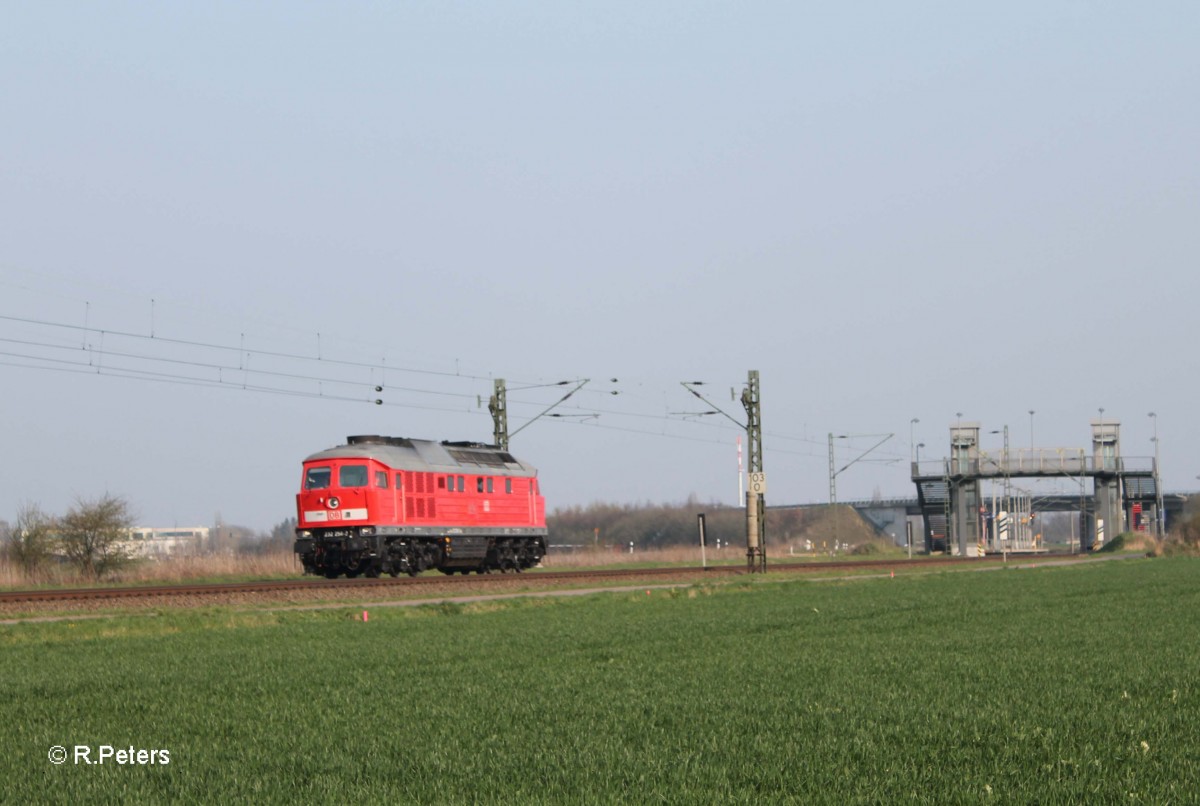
[[283, 564], [181, 569], [1173, 546], [1135, 541], [166, 571], [10, 575], [673, 555], [590, 558]]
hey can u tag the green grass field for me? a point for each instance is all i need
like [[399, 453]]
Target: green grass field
[[1053, 685]]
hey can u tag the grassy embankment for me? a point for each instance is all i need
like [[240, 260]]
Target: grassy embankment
[[1056, 685]]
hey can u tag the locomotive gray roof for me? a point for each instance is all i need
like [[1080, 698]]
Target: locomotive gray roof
[[425, 455]]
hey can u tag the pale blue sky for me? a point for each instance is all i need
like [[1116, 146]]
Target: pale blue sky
[[890, 210]]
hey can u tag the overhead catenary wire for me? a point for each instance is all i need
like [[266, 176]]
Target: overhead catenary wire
[[237, 375], [244, 354], [77, 368], [241, 367], [241, 349]]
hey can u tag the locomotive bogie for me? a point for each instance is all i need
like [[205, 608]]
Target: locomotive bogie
[[390, 505], [375, 555]]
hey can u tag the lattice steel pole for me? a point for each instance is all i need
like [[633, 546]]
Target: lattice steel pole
[[832, 475], [756, 552], [498, 406], [833, 513]]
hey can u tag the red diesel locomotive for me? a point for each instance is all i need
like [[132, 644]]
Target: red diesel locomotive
[[394, 505]]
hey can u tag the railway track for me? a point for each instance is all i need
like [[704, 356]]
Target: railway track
[[310, 584]]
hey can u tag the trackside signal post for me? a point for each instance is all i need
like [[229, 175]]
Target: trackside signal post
[[756, 552]]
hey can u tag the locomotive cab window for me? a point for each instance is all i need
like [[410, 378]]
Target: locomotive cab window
[[381, 478], [508, 486], [489, 484], [479, 484], [316, 478], [353, 476]]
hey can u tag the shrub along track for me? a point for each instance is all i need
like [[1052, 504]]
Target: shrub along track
[[308, 589]]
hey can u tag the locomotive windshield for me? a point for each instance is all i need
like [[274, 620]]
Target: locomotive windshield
[[353, 476], [316, 478]]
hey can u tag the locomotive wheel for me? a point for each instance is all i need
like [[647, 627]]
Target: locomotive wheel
[[372, 572], [330, 573], [393, 572], [412, 571], [351, 573]]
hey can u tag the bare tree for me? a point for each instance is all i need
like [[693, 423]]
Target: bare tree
[[30, 542], [92, 535]]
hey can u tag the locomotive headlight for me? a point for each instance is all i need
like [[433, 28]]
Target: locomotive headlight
[[305, 533], [367, 530], [333, 503]]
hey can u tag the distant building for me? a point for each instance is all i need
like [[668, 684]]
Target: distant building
[[166, 541]]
